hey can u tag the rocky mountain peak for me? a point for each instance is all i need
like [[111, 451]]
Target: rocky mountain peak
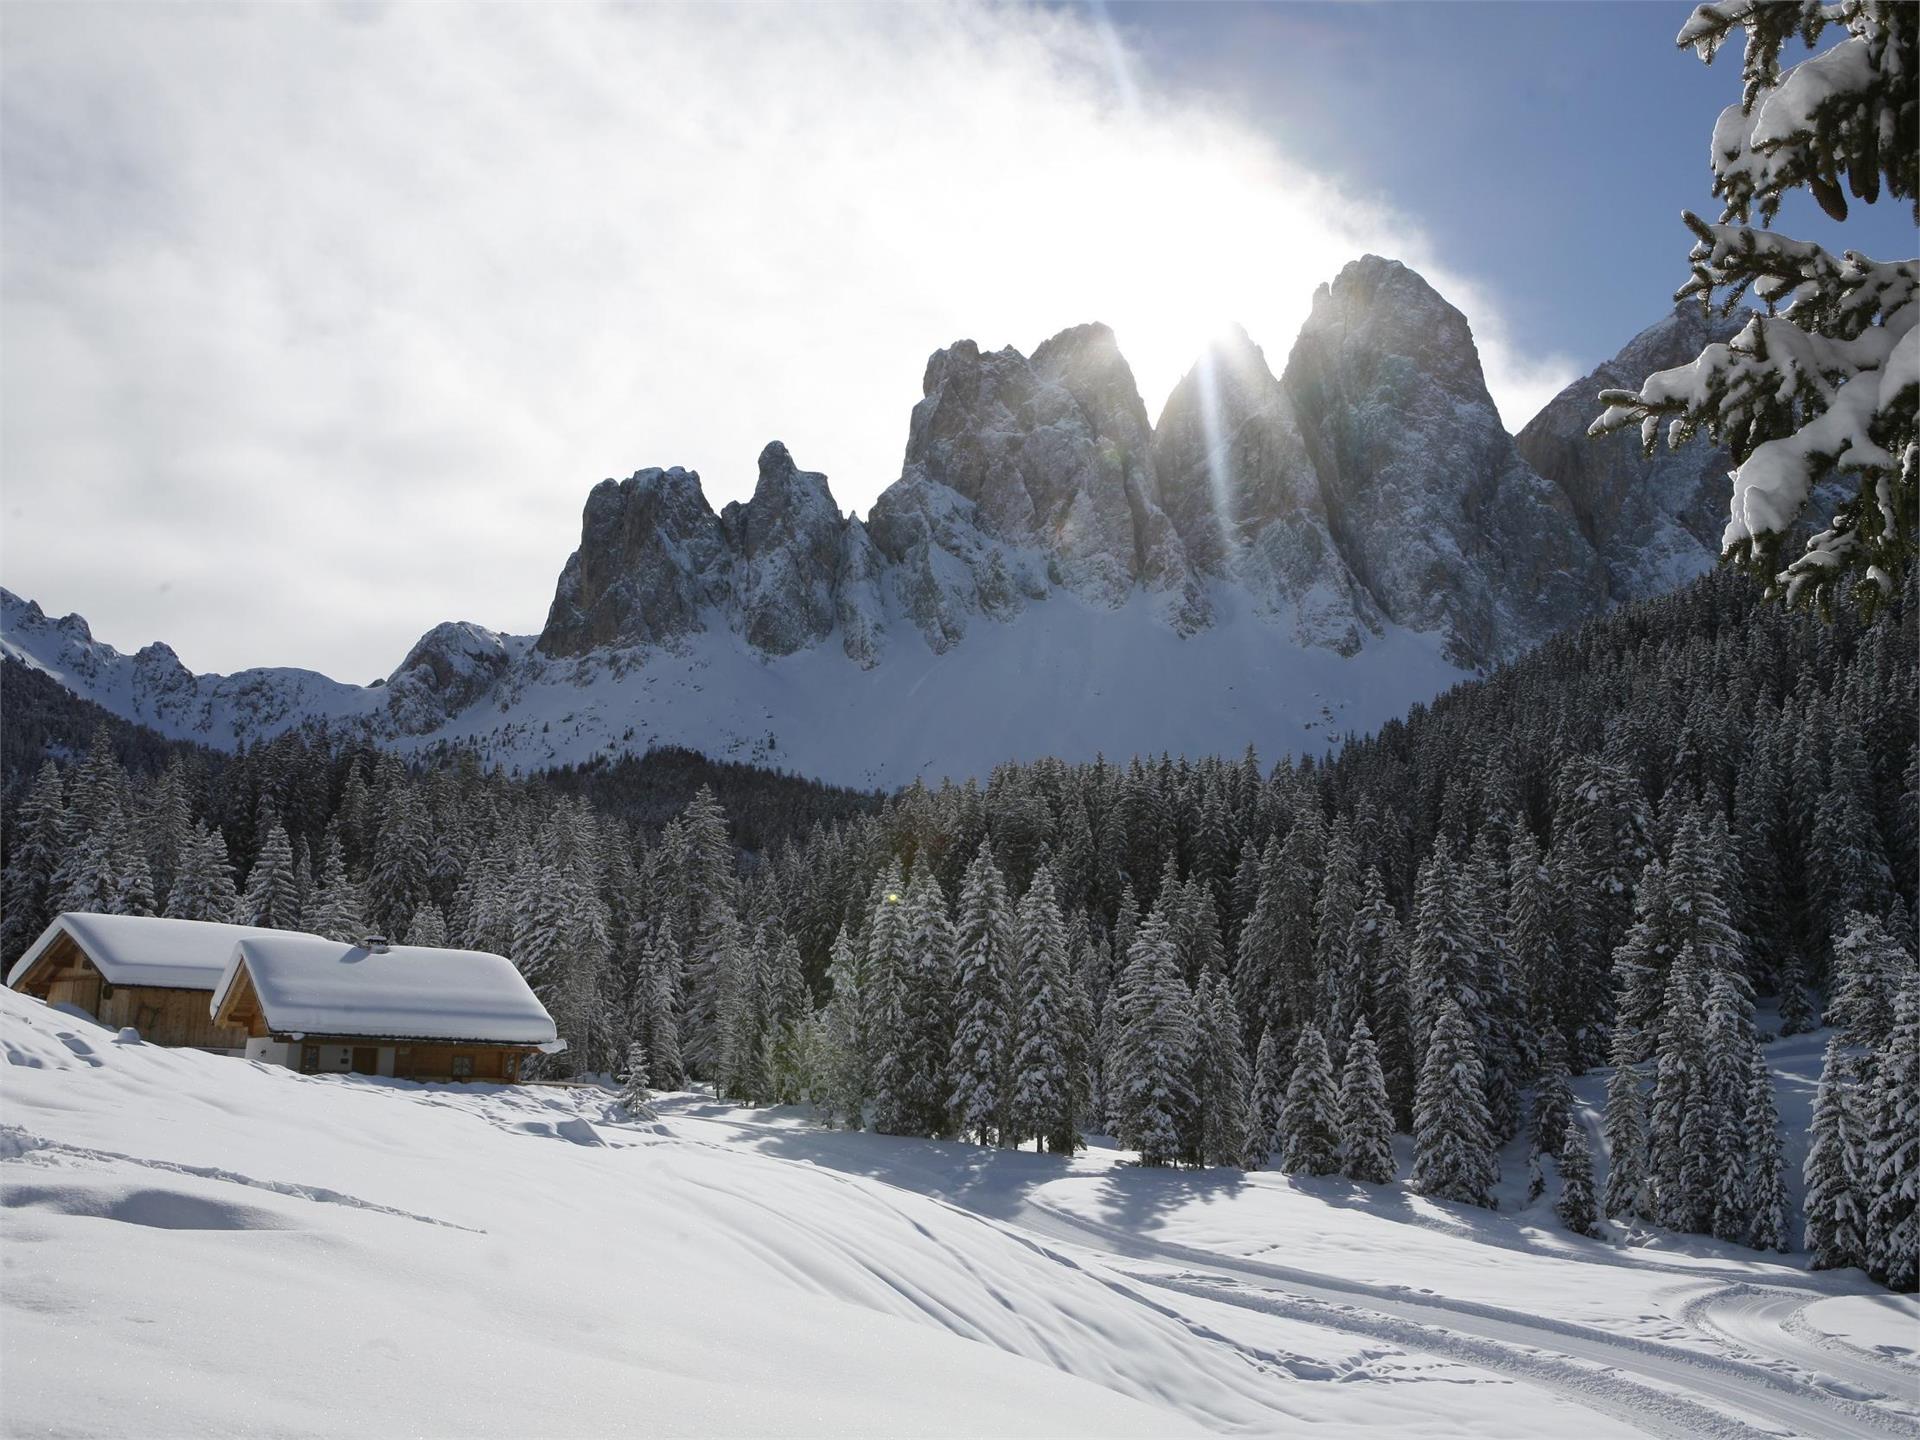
[[1377, 308], [787, 554], [1440, 519], [1654, 520], [652, 557], [448, 668]]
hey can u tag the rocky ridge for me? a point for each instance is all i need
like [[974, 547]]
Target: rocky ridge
[[1364, 499]]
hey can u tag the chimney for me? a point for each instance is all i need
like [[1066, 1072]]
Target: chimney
[[377, 944]]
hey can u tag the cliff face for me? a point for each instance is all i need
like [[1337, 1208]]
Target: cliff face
[[1655, 521], [1371, 484]]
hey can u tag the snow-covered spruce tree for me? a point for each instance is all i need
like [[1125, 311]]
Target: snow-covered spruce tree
[[397, 880], [1869, 966], [1235, 1136], [1310, 1118], [26, 885], [1377, 944], [337, 911], [1575, 1206], [1681, 1130], [1366, 1118], [1453, 1154], [1602, 840], [1893, 1142], [789, 1016], [1552, 1096], [1530, 904], [983, 1033], [635, 1098], [1624, 1128], [1826, 385], [1040, 1102], [1836, 1166], [429, 927], [272, 899], [1766, 1180], [203, 883], [1154, 1040], [850, 1029], [1269, 1096], [1444, 968], [911, 1083], [1730, 1049], [654, 1022], [1796, 1006]]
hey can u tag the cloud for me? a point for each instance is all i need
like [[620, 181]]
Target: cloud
[[320, 321]]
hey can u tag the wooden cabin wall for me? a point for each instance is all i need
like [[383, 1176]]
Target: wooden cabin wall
[[169, 1017]]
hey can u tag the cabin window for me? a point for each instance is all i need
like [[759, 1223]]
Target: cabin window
[[463, 1067], [309, 1059], [106, 990]]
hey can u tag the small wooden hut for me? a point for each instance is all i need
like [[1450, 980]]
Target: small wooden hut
[[153, 974], [409, 1011]]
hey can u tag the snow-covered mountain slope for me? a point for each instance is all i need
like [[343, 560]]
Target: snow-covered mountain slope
[[1280, 560], [195, 1244]]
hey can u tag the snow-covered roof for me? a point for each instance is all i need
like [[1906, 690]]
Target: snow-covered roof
[[309, 985], [144, 949]]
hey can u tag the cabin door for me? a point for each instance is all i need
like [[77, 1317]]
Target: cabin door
[[366, 1060]]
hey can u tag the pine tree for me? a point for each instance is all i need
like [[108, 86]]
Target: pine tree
[[1766, 1184], [337, 911], [1154, 1047], [651, 1019], [1575, 1205], [1310, 1118], [1796, 1007], [1444, 967], [912, 1083], [1552, 1096], [1680, 1127], [1042, 1098], [1731, 1047], [1366, 1118], [429, 927], [272, 899], [397, 879], [39, 827], [203, 880], [1453, 1155], [635, 1098], [1228, 1134], [1836, 1166], [1269, 1096], [1869, 966], [849, 1032], [1893, 1142], [1842, 114], [983, 1004], [1629, 1190]]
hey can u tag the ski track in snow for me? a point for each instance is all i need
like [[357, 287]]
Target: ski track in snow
[[1784, 1379], [1760, 1318], [1798, 1405]]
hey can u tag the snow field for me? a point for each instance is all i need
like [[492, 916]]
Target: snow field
[[197, 1244]]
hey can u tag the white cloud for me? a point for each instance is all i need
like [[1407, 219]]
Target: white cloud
[[320, 322]]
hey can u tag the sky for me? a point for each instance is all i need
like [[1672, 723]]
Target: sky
[[317, 323]]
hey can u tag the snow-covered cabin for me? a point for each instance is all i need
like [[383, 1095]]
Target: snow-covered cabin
[[408, 1011], [140, 970]]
